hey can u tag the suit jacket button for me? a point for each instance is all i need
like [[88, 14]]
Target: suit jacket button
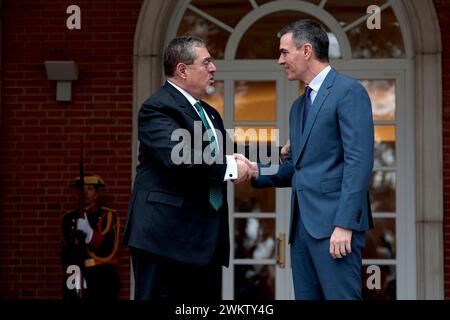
[[358, 216]]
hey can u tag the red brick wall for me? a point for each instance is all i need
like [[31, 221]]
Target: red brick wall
[[40, 137], [443, 10]]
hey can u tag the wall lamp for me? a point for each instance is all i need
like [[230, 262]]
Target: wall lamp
[[64, 72]]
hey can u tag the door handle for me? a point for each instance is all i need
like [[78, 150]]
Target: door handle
[[280, 250]]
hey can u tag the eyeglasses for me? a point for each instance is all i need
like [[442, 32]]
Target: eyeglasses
[[205, 63]]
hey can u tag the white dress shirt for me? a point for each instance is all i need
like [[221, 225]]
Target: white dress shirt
[[316, 83]]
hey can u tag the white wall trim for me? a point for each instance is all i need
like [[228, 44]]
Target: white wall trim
[[175, 19], [149, 41], [426, 43], [147, 65]]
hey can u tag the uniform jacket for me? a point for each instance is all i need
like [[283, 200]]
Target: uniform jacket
[[104, 243]]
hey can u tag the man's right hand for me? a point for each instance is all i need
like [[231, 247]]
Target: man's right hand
[[246, 169]]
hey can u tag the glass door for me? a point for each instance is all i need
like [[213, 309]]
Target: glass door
[[255, 105]]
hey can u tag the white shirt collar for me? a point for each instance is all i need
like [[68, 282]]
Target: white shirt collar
[[316, 83], [190, 98]]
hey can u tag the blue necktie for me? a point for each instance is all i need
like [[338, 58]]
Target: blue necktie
[[307, 107], [215, 190]]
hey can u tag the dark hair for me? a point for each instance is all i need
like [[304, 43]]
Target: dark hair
[[309, 31], [180, 50]]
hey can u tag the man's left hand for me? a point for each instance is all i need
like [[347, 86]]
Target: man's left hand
[[284, 153], [340, 242]]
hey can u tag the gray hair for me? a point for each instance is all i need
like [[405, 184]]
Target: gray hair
[[309, 31], [180, 50]]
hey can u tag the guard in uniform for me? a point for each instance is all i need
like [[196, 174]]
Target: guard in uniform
[[89, 244]]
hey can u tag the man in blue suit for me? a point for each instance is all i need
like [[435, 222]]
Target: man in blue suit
[[177, 221], [329, 168]]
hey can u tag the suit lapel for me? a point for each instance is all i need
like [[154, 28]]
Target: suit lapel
[[315, 109], [181, 101]]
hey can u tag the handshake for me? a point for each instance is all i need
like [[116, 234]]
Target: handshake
[[249, 170], [246, 169]]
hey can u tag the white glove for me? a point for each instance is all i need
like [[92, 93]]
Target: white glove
[[84, 226]]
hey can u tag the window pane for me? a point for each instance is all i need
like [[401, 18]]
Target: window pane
[[380, 241], [384, 154], [386, 42], [347, 11], [385, 146], [382, 96], [261, 42], [249, 199], [382, 191], [261, 2], [254, 282], [254, 238], [229, 12], [255, 142], [215, 36], [255, 101], [216, 99], [245, 134], [387, 289]]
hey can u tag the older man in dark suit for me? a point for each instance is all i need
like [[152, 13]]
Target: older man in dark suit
[[177, 223]]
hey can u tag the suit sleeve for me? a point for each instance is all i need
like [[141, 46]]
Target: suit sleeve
[[156, 132], [356, 125], [278, 176]]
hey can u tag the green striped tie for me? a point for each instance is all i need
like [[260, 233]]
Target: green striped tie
[[215, 190]]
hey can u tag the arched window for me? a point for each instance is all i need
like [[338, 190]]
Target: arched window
[[221, 23]]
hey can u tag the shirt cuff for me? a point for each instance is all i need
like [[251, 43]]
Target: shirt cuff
[[231, 172]]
